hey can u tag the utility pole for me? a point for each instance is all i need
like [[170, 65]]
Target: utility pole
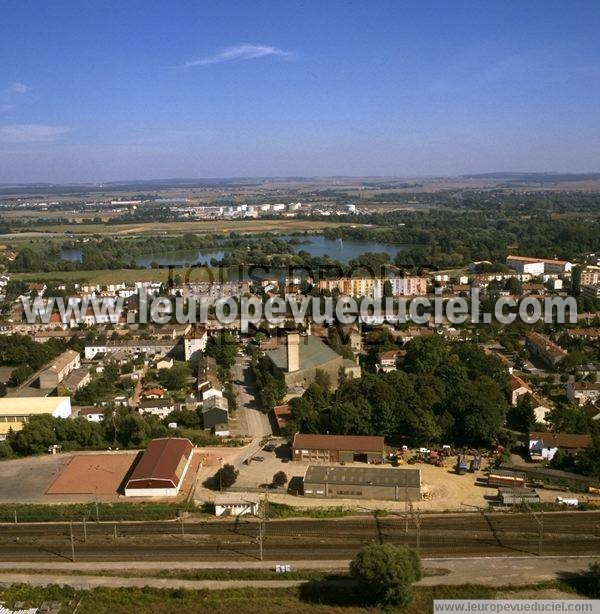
[[84, 530], [406, 510], [540, 524], [262, 517], [96, 502], [16, 520], [541, 534], [417, 518], [182, 526], [72, 542], [418, 521], [115, 531]]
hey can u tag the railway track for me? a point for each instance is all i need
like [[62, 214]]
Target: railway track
[[470, 534]]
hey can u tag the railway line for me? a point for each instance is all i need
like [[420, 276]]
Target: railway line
[[448, 535]]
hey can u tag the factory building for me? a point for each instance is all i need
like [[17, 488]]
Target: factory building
[[16, 411], [362, 483], [337, 448], [162, 468]]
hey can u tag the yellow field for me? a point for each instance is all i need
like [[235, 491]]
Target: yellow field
[[283, 225]]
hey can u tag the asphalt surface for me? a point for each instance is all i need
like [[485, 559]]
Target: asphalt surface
[[256, 421], [443, 535]]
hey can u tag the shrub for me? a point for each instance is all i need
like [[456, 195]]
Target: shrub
[[385, 572], [280, 478]]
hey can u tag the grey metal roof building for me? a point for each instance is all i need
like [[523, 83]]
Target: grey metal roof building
[[362, 483], [301, 357]]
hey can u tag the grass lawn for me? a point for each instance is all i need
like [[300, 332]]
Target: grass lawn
[[314, 596]]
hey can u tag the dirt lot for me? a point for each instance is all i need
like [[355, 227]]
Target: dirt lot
[[92, 474], [442, 488]]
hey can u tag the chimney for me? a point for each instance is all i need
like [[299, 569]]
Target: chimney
[[293, 352]]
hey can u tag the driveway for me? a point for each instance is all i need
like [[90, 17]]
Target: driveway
[[252, 420]]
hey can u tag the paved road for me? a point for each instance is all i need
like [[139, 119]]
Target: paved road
[[485, 571], [444, 535], [252, 418]]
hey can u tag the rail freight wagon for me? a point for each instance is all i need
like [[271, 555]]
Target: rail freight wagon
[[504, 477]]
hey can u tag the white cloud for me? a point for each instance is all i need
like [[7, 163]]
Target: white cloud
[[245, 51], [18, 88], [29, 133]]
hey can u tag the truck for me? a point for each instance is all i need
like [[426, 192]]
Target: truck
[[567, 502], [461, 466]]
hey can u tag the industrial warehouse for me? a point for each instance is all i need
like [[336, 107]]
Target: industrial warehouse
[[161, 469], [363, 483], [337, 448]]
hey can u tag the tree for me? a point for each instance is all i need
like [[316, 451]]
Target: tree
[[592, 582], [19, 375], [226, 476], [385, 572], [522, 417], [280, 479]]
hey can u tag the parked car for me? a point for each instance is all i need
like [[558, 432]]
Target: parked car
[[258, 459]]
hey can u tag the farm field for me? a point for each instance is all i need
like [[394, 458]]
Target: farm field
[[208, 226]]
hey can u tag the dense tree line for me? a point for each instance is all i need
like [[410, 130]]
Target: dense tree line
[[22, 350], [450, 393]]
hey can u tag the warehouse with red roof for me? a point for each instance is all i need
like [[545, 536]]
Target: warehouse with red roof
[[161, 469]]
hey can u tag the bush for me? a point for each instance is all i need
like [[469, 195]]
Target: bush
[[280, 478], [592, 581], [226, 476], [385, 573]]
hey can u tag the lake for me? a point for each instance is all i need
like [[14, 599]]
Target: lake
[[315, 245]]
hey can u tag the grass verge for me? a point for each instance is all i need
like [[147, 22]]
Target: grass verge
[[314, 596], [106, 511]]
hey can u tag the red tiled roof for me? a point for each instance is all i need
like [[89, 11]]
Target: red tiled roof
[[338, 442], [159, 464], [563, 440], [516, 382]]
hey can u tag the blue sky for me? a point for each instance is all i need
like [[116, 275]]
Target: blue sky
[[111, 90]]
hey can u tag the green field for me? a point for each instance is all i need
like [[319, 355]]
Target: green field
[[116, 276]]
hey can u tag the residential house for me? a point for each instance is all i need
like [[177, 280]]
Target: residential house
[[583, 392], [282, 415], [542, 347], [215, 411], [387, 361], [544, 446], [156, 407], [60, 367], [208, 383], [154, 393], [517, 388]]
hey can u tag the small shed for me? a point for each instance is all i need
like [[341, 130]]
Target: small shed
[[239, 504]]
